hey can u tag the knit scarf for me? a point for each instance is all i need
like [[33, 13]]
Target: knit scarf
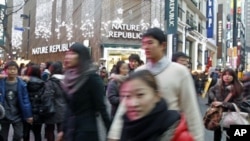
[[75, 79], [150, 127], [158, 67]]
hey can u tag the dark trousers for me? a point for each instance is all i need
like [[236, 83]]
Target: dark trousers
[[218, 133], [50, 129], [36, 128], [18, 130]]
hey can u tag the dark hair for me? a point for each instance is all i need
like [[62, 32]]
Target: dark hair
[[237, 87], [134, 57], [156, 33], [144, 75], [178, 55], [48, 64], [34, 70], [85, 60], [56, 68], [118, 66], [10, 64]]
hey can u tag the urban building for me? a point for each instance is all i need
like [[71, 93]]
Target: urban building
[[247, 32], [112, 29]]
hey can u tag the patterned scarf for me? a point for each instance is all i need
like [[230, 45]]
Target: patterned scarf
[[75, 79]]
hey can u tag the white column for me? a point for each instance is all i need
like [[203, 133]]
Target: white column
[[183, 39], [194, 55], [170, 46], [203, 56]]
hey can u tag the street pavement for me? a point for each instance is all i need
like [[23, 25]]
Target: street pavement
[[202, 104]]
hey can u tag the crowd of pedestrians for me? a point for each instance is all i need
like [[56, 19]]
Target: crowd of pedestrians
[[149, 102]]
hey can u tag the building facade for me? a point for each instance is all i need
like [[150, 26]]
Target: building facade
[[111, 29]]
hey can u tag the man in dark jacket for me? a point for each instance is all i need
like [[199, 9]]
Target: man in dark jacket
[[15, 100]]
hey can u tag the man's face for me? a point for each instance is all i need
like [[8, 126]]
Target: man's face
[[133, 64], [12, 71], [182, 60], [153, 49]]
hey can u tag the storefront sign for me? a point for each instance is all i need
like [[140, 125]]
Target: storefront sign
[[171, 15], [219, 31], [50, 49], [125, 31], [210, 18]]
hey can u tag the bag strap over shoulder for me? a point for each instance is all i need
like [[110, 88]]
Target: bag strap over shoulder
[[229, 96]]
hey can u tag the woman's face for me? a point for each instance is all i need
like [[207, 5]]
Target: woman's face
[[139, 98], [124, 69], [227, 78], [71, 59]]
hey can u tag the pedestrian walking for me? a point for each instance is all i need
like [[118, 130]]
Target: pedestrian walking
[[15, 100], [147, 117], [84, 96], [228, 85], [175, 85]]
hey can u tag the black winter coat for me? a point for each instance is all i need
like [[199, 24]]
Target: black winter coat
[[59, 100], [35, 88], [83, 105]]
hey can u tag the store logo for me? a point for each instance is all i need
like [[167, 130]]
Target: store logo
[[125, 31], [50, 49], [210, 18]]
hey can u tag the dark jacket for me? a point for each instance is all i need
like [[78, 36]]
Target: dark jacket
[[23, 97], [60, 104], [83, 105], [215, 93], [113, 95], [35, 88]]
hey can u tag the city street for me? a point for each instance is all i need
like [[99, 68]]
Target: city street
[[203, 107]]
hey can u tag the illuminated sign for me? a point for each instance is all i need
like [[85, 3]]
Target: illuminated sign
[[50, 49], [125, 31]]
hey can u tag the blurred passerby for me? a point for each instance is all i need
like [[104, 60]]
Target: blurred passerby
[[54, 83], [175, 81], [113, 86], [147, 117], [104, 76], [46, 72], [15, 100], [134, 62], [22, 66], [228, 85], [84, 96], [35, 87], [246, 84], [181, 58]]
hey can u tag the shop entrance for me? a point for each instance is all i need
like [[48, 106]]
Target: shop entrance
[[113, 55]]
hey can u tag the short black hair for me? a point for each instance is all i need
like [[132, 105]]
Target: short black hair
[[135, 57], [10, 64], [177, 55], [156, 33]]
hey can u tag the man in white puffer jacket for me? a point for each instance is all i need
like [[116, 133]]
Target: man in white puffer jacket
[[176, 85]]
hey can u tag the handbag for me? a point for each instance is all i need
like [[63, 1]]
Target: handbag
[[234, 118], [213, 115]]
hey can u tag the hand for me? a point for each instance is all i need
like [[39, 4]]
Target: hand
[[25, 78], [217, 103], [59, 136], [30, 120], [3, 75]]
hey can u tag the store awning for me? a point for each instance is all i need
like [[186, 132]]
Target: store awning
[[120, 46]]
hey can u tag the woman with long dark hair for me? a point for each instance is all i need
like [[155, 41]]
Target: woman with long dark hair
[[84, 96], [122, 69], [228, 85]]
